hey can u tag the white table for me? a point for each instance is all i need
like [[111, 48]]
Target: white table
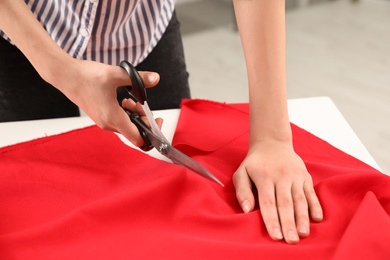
[[318, 115]]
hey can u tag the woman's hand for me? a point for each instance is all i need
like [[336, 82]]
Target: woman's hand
[[92, 86], [285, 190]]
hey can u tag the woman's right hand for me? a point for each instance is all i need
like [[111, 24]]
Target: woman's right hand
[[92, 86]]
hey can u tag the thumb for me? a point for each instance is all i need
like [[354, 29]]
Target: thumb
[[150, 79], [243, 186]]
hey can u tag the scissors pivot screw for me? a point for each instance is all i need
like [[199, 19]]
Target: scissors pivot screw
[[163, 148]]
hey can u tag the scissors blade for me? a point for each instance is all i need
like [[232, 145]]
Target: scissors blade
[[180, 158], [166, 149], [155, 129]]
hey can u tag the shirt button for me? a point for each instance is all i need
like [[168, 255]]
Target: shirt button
[[84, 32]]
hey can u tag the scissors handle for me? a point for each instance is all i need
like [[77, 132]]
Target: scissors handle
[[137, 88], [135, 119], [138, 93]]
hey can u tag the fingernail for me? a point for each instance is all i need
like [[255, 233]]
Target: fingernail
[[278, 233], [152, 77], [303, 230], [292, 235], [317, 215], [246, 206]]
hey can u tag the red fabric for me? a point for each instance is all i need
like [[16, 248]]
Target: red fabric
[[86, 195]]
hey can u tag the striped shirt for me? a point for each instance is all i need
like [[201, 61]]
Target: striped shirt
[[107, 31]]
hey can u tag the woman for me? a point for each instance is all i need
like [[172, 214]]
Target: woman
[[75, 47]]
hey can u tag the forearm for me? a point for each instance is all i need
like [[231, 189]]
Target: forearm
[[21, 26], [284, 187], [262, 29]]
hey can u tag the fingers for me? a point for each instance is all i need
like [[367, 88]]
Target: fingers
[[120, 122], [137, 108], [284, 205], [159, 122], [243, 186], [286, 212], [315, 208], [268, 208], [277, 211], [129, 104], [301, 211]]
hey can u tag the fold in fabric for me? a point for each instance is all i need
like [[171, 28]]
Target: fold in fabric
[[86, 195]]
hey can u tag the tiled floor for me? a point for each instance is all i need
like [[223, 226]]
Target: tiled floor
[[334, 48]]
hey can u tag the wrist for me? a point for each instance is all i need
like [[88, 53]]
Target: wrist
[[271, 137], [275, 129], [55, 67]]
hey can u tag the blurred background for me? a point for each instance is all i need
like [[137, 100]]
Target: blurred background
[[335, 48]]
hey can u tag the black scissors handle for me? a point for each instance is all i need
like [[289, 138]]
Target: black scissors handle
[[140, 124], [137, 90], [138, 93]]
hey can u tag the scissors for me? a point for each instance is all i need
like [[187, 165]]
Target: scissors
[[152, 136]]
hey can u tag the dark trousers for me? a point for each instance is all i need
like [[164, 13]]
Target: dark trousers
[[24, 95]]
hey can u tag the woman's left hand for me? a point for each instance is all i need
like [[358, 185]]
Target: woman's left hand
[[285, 190]]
